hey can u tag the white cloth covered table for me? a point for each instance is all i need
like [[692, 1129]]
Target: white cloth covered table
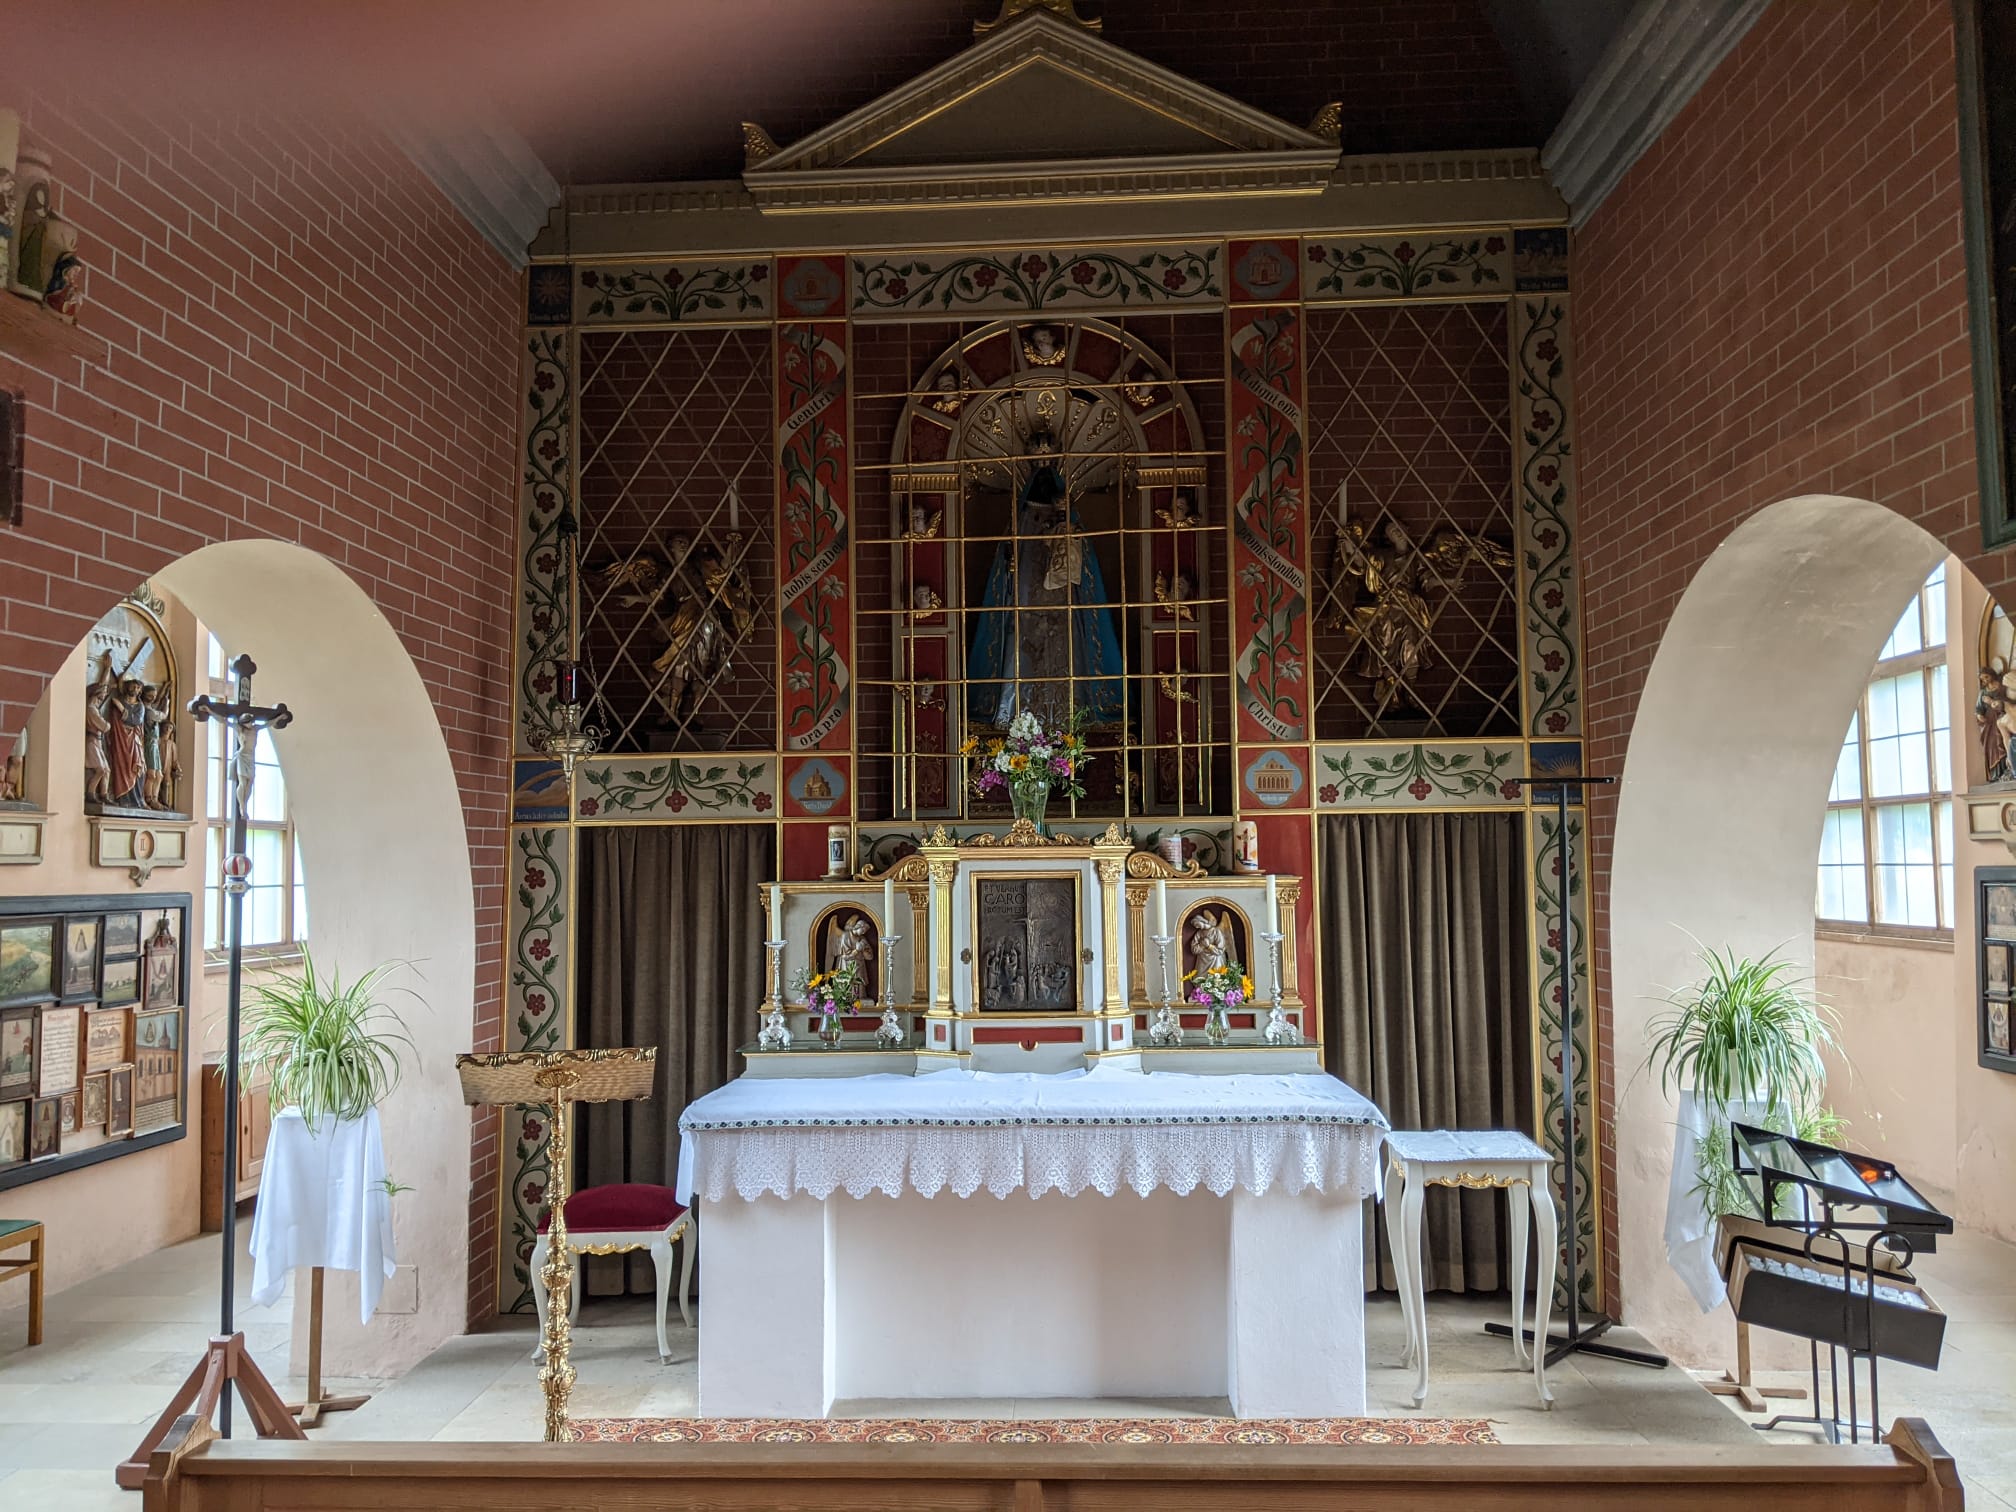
[[322, 1201], [962, 1131], [970, 1235]]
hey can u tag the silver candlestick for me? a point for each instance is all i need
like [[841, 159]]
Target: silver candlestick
[[775, 1035], [1167, 1028], [889, 1033], [1279, 1031]]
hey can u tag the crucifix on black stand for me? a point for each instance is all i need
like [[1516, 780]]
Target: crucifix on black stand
[[225, 1362], [1577, 1339]]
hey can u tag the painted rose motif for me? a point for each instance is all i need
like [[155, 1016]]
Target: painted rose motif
[[588, 808], [1420, 789], [535, 879]]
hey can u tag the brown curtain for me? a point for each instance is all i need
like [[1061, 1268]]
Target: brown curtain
[[670, 937], [1427, 1005]]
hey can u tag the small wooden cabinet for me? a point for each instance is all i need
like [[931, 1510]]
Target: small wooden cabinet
[[254, 1114]]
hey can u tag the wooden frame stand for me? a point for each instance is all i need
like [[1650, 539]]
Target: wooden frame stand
[[309, 1412], [1739, 1385], [224, 1363]]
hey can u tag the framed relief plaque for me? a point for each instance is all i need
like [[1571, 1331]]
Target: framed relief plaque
[[1026, 946], [1995, 1006]]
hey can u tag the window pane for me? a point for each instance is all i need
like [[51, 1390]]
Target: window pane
[[1907, 637], [263, 922], [1848, 766], [1942, 734], [1907, 880], [1899, 754], [1934, 598], [219, 667], [214, 806], [300, 895], [213, 919], [267, 849], [1843, 885]]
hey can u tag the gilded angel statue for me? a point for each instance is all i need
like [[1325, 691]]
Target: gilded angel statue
[[703, 608], [1387, 619]]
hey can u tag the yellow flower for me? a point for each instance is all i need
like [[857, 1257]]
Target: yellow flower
[[1017, 763], [1246, 985], [972, 744]]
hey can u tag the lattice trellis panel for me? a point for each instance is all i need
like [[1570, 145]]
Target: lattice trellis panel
[[678, 592], [1415, 584]]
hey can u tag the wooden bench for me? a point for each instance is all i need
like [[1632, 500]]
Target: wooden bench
[[15, 1232], [194, 1472]]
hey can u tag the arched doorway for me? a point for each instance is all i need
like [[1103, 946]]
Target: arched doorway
[[378, 812], [1721, 804]]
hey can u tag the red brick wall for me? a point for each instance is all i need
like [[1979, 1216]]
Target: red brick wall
[[307, 343], [1772, 303]]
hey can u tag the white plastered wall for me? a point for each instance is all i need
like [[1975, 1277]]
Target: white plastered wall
[[1719, 810]]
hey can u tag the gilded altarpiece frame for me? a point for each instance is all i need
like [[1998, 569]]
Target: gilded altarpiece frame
[[1285, 778]]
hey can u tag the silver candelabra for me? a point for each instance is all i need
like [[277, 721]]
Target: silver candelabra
[[775, 1034], [1167, 1028], [1279, 1031], [889, 1033]]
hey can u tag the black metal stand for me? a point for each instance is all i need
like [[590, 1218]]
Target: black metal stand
[[244, 720], [1576, 1339]]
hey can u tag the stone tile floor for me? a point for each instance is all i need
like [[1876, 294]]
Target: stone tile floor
[[117, 1345]]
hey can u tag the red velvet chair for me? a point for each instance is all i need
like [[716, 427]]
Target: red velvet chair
[[621, 1219]]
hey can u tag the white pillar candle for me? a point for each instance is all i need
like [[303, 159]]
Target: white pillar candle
[[888, 905], [1161, 907], [1273, 906], [776, 910]]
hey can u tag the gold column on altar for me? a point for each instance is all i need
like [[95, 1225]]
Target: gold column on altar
[[942, 857], [1110, 860], [554, 1080]]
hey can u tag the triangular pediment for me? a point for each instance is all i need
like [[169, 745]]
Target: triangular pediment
[[1040, 100]]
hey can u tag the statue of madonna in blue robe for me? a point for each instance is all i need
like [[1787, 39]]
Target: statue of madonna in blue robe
[[1044, 617]]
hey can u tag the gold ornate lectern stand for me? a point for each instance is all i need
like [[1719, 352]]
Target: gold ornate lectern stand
[[554, 1079]]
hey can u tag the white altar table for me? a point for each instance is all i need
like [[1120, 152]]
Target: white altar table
[[1084, 1234]]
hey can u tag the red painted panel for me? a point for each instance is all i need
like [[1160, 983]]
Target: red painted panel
[[814, 566], [1035, 1034]]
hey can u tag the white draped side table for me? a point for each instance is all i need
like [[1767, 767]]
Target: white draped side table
[[1417, 1159]]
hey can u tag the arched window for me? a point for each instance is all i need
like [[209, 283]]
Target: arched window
[[276, 904], [1886, 854]]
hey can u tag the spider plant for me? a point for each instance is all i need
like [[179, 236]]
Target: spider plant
[[1748, 1031], [328, 1047]]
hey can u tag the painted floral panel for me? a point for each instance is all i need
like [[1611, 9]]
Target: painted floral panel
[[1550, 957], [1270, 538], [814, 566], [546, 489], [1551, 629], [690, 293], [1086, 278], [1408, 267], [535, 1014], [1420, 775], [624, 789]]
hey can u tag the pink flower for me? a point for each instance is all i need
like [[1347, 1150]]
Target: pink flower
[[533, 1128], [1034, 267], [1554, 938], [1508, 790], [534, 1193], [1061, 765], [542, 682], [1543, 421], [1173, 279], [535, 1003], [897, 288], [1420, 789], [1548, 538], [1082, 273], [986, 276], [549, 448], [1327, 793], [1551, 598], [589, 807], [675, 802], [539, 949], [535, 879], [1556, 723], [762, 803]]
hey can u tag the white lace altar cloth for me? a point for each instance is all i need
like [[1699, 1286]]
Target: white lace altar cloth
[[1102, 1129]]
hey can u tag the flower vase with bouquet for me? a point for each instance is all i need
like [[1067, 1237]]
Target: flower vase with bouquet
[[1029, 763], [827, 995], [1218, 988]]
